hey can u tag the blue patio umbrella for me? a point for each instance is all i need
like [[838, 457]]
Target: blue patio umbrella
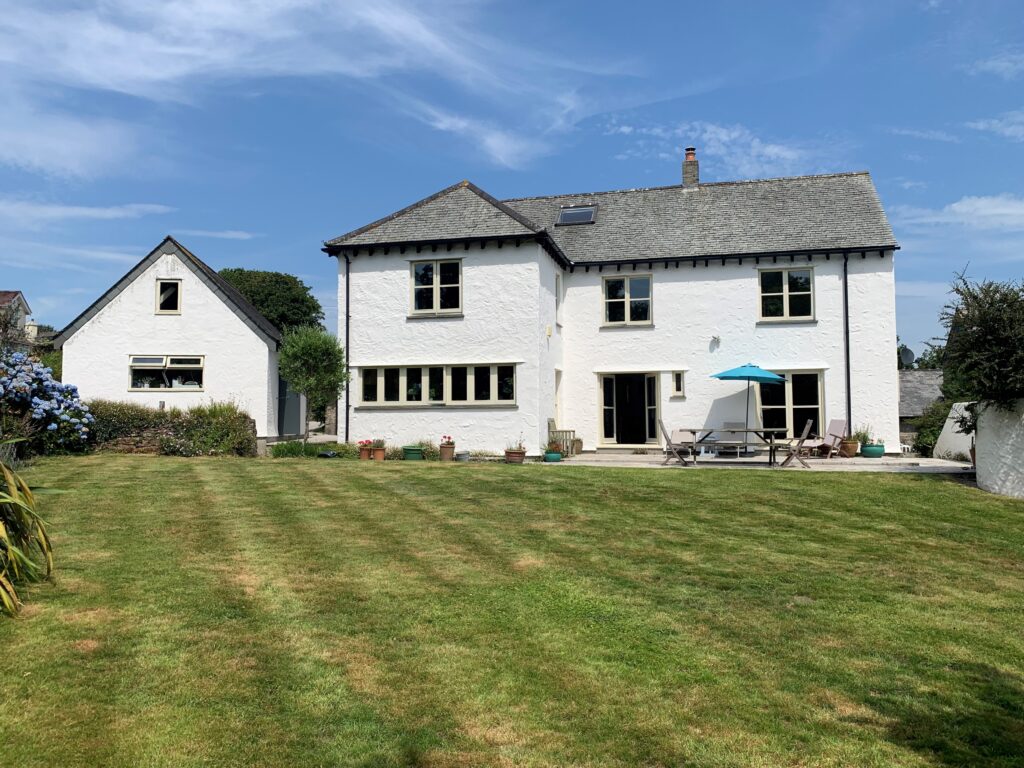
[[749, 373]]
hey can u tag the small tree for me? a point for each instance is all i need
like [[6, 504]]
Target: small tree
[[313, 363], [283, 299]]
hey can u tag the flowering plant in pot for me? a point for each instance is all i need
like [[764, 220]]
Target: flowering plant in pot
[[447, 448], [379, 449], [515, 453], [553, 452], [365, 446]]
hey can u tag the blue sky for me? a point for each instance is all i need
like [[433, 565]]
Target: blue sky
[[252, 131]]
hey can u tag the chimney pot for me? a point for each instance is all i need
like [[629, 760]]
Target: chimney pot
[[691, 169]]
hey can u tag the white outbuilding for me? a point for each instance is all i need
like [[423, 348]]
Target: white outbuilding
[[174, 333]]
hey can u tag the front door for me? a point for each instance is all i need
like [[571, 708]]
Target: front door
[[629, 408]]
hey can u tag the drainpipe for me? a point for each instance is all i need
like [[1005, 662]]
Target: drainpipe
[[348, 360], [846, 341]]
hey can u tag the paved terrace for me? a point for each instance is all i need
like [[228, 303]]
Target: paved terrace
[[837, 464]]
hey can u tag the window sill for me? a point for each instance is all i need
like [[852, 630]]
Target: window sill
[[432, 406], [789, 321], [167, 312], [167, 389], [677, 397], [435, 316], [613, 326]]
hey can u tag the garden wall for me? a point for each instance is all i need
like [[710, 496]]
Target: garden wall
[[1000, 446]]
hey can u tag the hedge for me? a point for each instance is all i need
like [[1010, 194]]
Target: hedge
[[203, 430]]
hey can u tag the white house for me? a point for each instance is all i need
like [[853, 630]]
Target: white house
[[174, 333], [16, 305], [483, 319]]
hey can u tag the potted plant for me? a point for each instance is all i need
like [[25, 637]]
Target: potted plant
[[364, 449], [553, 452], [447, 448], [412, 452], [869, 449], [378, 448], [515, 453], [849, 446]]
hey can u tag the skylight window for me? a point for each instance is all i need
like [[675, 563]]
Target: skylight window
[[577, 214]]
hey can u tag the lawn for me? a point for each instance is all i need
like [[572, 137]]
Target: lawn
[[300, 612]]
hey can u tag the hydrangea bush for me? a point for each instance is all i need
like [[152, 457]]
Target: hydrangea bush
[[29, 393]]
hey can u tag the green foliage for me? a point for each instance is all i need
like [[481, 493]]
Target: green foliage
[[985, 346], [313, 363], [929, 426], [862, 435], [25, 552], [931, 359], [54, 360], [283, 299], [218, 429], [115, 419], [298, 448]]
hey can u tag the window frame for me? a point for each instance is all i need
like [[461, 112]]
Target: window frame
[[785, 317], [164, 367], [159, 283], [678, 383], [435, 310], [446, 400], [788, 405], [605, 322], [562, 209]]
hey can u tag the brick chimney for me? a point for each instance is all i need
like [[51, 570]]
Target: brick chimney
[[691, 172]]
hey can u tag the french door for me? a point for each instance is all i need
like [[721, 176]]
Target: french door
[[786, 408], [629, 408]]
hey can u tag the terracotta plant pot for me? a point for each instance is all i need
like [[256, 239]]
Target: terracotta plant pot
[[364, 453], [378, 453], [848, 448], [515, 457], [447, 452]]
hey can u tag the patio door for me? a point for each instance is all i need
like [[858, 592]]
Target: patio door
[[785, 408], [629, 408]]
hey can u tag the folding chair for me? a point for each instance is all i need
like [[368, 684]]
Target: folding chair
[[679, 440], [795, 446], [828, 444]]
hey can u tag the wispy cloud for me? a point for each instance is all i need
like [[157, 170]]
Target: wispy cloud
[[29, 214], [1010, 125], [1002, 213], [1007, 65], [218, 234], [926, 134]]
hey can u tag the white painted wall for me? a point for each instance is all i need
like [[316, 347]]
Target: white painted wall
[[951, 442], [509, 306], [239, 366], [1000, 446]]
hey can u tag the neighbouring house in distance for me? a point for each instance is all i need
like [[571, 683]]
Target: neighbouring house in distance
[[15, 304], [174, 333], [607, 311], [918, 390]]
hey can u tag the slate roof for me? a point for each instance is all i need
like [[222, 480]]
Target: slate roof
[[918, 390], [227, 293], [793, 214]]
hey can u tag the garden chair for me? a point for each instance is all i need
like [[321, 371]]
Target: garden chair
[[678, 440], [564, 437], [795, 446], [828, 444]]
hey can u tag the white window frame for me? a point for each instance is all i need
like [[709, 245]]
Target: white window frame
[[435, 311], [785, 317], [446, 401], [605, 322], [678, 383], [790, 434], [558, 298], [164, 366], [159, 282]]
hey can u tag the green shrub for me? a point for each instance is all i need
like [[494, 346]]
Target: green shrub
[[296, 449], [25, 552], [217, 429], [116, 419], [929, 426]]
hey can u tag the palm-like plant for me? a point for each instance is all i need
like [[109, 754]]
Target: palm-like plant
[[25, 553]]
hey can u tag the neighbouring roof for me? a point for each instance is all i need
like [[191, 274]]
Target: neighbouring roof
[[221, 287], [801, 213], [918, 390], [8, 297]]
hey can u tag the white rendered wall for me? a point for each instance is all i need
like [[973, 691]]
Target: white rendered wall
[[951, 442], [501, 323], [1000, 446], [239, 366]]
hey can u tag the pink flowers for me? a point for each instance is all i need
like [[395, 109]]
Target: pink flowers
[[447, 440], [365, 443]]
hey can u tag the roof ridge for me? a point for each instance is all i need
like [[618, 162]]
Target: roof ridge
[[681, 186]]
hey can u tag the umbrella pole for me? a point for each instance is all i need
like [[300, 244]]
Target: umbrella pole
[[746, 419]]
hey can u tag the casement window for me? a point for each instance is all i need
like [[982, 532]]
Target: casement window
[[576, 214], [183, 372], [787, 294], [436, 287], [678, 384], [785, 408], [484, 384], [168, 297], [627, 300]]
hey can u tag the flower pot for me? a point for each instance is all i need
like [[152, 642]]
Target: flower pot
[[378, 453], [872, 450], [515, 457], [552, 455], [462, 456], [848, 448], [447, 452], [364, 453], [412, 453]]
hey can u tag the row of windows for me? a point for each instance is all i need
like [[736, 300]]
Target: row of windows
[[784, 294], [439, 385]]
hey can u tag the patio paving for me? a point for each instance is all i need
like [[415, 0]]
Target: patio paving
[[838, 464]]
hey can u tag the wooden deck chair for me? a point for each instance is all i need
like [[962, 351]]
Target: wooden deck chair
[[828, 444], [795, 446], [564, 437], [679, 440]]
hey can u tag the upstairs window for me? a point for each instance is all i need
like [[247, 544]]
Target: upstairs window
[[627, 300], [436, 287], [787, 294], [168, 297], [576, 214]]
